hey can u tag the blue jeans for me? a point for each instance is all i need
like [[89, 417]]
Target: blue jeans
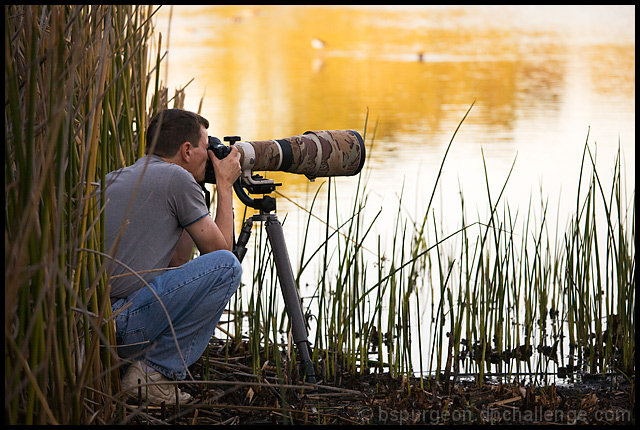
[[194, 296]]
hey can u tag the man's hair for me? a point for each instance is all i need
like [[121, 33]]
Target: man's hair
[[171, 128]]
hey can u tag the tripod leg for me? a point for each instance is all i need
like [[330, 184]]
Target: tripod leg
[[289, 293], [240, 247]]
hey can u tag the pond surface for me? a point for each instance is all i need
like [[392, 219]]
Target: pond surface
[[541, 78]]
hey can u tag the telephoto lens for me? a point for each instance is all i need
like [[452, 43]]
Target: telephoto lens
[[313, 154]]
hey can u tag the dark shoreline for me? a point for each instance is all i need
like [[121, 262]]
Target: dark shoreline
[[234, 395]]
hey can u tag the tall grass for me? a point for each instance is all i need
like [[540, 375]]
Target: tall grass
[[77, 89]]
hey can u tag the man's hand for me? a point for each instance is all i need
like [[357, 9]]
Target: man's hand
[[228, 169]]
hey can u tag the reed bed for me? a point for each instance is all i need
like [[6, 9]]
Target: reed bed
[[78, 93], [507, 295]]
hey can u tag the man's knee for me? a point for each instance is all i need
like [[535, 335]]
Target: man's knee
[[226, 259]]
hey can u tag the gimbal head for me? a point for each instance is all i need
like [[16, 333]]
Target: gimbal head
[[264, 204], [255, 184]]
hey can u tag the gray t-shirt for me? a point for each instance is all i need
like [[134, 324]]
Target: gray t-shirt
[[166, 200]]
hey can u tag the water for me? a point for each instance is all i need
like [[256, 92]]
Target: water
[[540, 77]]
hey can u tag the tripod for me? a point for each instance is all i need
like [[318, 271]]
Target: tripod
[[256, 184]]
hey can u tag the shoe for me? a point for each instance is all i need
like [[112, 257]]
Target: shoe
[[156, 393]]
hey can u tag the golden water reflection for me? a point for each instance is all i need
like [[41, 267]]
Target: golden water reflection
[[540, 78]]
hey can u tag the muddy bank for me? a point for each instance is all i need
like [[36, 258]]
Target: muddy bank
[[234, 395]]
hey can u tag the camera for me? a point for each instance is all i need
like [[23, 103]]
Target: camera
[[314, 154], [220, 150]]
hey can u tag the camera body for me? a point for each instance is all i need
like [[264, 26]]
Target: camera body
[[220, 150]]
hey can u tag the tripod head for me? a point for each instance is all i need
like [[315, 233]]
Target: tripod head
[[258, 185], [255, 184]]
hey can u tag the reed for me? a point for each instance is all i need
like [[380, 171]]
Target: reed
[[77, 86]]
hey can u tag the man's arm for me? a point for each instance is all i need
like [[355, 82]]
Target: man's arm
[[224, 211], [183, 251], [209, 235]]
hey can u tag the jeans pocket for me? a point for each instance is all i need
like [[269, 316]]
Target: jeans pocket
[[117, 304], [133, 342]]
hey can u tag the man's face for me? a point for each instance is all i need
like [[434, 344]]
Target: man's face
[[199, 156]]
